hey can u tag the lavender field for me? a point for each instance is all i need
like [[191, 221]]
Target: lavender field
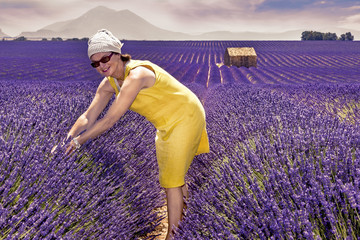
[[284, 140]]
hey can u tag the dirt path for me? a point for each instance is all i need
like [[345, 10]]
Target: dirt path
[[163, 226], [161, 229]]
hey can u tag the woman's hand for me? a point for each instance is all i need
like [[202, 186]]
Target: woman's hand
[[61, 145], [73, 145], [53, 150]]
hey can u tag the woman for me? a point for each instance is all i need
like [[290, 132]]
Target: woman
[[147, 89]]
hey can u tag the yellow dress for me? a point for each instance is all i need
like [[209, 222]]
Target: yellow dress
[[179, 118]]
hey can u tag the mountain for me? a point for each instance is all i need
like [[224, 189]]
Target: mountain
[[123, 24], [289, 35], [3, 34], [226, 35]]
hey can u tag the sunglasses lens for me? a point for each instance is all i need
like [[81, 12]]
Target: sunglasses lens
[[103, 60], [95, 64]]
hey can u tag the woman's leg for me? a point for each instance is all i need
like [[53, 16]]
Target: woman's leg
[[185, 191], [175, 205]]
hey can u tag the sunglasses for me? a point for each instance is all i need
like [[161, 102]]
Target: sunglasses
[[103, 60]]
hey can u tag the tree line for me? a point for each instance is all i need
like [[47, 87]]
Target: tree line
[[313, 35]]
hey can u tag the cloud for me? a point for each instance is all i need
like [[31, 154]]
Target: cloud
[[350, 16], [17, 16], [352, 8], [18, 4], [297, 5], [284, 5], [200, 16], [351, 22], [190, 15], [254, 15], [14, 14], [209, 13]]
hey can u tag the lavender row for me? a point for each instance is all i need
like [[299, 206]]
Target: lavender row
[[341, 101], [200, 62], [106, 190], [277, 170]]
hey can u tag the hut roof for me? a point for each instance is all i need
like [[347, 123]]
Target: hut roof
[[244, 51]]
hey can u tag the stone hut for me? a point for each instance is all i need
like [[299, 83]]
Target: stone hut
[[240, 57]]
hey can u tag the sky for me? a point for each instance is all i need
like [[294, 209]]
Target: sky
[[192, 16]]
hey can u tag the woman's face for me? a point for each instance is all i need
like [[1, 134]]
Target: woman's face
[[107, 64]]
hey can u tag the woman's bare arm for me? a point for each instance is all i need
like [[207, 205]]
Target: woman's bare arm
[[88, 118], [138, 79]]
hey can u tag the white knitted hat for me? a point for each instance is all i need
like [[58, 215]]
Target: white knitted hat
[[103, 41]]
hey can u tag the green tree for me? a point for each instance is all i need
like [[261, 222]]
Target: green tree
[[56, 39], [349, 36], [22, 38], [346, 37], [318, 36], [312, 35], [330, 36], [305, 35]]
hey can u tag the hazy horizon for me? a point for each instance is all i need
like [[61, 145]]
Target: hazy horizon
[[192, 17]]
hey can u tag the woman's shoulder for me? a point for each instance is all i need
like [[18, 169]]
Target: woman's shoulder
[[132, 64], [136, 63], [106, 86]]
